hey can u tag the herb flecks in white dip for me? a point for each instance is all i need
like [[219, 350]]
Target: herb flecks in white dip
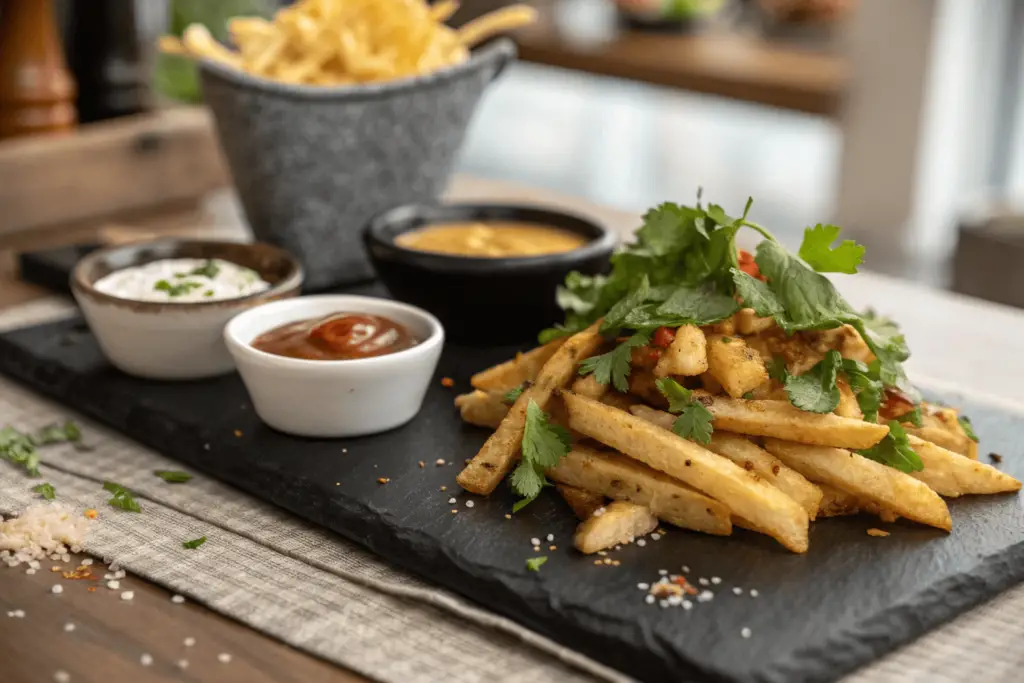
[[183, 280]]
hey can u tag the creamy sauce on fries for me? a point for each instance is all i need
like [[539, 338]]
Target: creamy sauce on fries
[[492, 239]]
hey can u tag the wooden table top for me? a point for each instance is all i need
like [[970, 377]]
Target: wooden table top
[[743, 67]]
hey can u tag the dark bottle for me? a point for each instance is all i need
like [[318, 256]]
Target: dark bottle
[[103, 53]]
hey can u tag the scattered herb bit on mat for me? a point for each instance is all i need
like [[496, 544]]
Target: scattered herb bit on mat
[[195, 543], [173, 476], [122, 497], [45, 490], [534, 563]]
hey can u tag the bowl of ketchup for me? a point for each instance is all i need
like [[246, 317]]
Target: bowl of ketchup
[[335, 365]]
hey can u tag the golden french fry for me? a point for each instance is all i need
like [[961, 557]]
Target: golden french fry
[[737, 368], [618, 523], [746, 494], [750, 457], [499, 21], [781, 420], [848, 406], [482, 408], [443, 11], [943, 438], [512, 373], [621, 478], [587, 385], [200, 43], [686, 355], [643, 384], [620, 401], [171, 46], [865, 478], [489, 466], [951, 474], [837, 503], [582, 502]]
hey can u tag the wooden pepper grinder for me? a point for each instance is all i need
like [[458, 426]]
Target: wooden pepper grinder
[[37, 92]]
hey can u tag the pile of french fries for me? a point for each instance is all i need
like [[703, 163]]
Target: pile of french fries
[[342, 42], [768, 467]]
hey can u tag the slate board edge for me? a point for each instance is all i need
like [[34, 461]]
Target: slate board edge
[[847, 651]]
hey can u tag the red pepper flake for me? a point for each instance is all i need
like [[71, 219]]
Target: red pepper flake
[[91, 514], [238, 433], [383, 480], [654, 354], [684, 584], [81, 572], [91, 589], [877, 532], [447, 382], [422, 464]]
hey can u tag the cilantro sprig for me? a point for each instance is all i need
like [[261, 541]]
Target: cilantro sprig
[[544, 444], [122, 498], [195, 543], [534, 564], [613, 367], [695, 420], [895, 451], [20, 448], [965, 424], [173, 476], [45, 490], [513, 394]]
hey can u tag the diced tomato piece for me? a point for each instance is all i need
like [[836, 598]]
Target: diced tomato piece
[[654, 354], [663, 337], [748, 265]]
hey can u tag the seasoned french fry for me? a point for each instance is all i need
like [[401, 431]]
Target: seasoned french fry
[[781, 420], [582, 502], [482, 408], [443, 11], [620, 522], [737, 368], [643, 384], [746, 494], [951, 474], [865, 478], [491, 464], [621, 478], [512, 373], [848, 406], [500, 21], [750, 457], [837, 503], [944, 438], [587, 385], [686, 355], [748, 322], [620, 401], [710, 384]]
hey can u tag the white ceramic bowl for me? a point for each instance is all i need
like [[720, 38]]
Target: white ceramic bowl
[[172, 340], [339, 398]]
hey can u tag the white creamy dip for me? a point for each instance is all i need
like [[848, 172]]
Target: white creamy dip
[[182, 280]]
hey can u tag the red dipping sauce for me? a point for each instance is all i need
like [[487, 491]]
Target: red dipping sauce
[[339, 336]]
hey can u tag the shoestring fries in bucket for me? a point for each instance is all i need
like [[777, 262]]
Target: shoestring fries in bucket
[[343, 42]]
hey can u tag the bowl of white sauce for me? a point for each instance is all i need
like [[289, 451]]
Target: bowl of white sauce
[[158, 309]]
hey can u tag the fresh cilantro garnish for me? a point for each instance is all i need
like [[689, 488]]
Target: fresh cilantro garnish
[[19, 449], [777, 369], [56, 433], [866, 385], [965, 424], [818, 253], [176, 289], [208, 269], [613, 367], [544, 444], [533, 564], [45, 490], [514, 394], [122, 497], [193, 544], [695, 420], [173, 476], [912, 416], [816, 391], [895, 451]]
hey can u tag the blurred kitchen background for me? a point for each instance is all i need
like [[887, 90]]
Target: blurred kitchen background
[[902, 120]]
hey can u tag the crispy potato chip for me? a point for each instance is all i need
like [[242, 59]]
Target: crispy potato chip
[[865, 478], [622, 478], [619, 523], [951, 474]]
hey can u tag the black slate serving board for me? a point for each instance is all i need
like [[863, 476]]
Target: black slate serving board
[[820, 615]]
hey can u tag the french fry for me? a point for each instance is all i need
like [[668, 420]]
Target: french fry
[[619, 523], [512, 373], [865, 478], [848, 406], [781, 420], [737, 368], [837, 503], [748, 322], [489, 466], [443, 11], [620, 401], [643, 384], [686, 355], [582, 502], [482, 408], [505, 19], [746, 494], [750, 457], [587, 385], [958, 443], [621, 478], [951, 474]]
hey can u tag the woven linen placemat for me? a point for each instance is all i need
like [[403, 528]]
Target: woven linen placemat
[[316, 591]]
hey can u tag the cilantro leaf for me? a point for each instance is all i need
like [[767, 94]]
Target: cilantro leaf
[[866, 386], [208, 269], [965, 424], [816, 250], [56, 433], [695, 420], [895, 451], [663, 231], [19, 449], [195, 543], [808, 300], [523, 502], [615, 317], [777, 369], [534, 564], [756, 294], [176, 289], [697, 306], [122, 498], [552, 333], [911, 416], [173, 476], [816, 391], [544, 444], [513, 394], [614, 367], [45, 490]]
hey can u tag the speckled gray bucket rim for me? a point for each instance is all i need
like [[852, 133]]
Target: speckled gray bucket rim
[[497, 52]]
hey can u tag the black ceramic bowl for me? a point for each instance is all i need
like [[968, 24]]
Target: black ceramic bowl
[[483, 301]]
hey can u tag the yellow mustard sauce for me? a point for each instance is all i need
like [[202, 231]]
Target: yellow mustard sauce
[[491, 240]]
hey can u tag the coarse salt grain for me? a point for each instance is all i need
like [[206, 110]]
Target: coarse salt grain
[[702, 581], [705, 596], [598, 512], [754, 593], [182, 663], [57, 589], [33, 564], [30, 571], [686, 569], [687, 604], [745, 632], [223, 658], [655, 537], [641, 542], [470, 503], [69, 627], [663, 603], [737, 591], [177, 599], [127, 595], [643, 586], [114, 566], [113, 585], [550, 537], [190, 641], [146, 659], [534, 541], [663, 572], [87, 562], [439, 462], [451, 501], [61, 676], [716, 580], [120, 574], [649, 599]]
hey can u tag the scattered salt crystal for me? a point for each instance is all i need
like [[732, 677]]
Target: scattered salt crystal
[[120, 574], [127, 595], [61, 676], [702, 581], [534, 541], [737, 591], [470, 503], [745, 632], [33, 564], [30, 571], [17, 614], [663, 579], [223, 658], [87, 562], [57, 589], [655, 536], [716, 580], [663, 603], [182, 663], [687, 604], [675, 600], [113, 585], [754, 593], [686, 569], [69, 627], [649, 599], [598, 512], [550, 537], [177, 599], [65, 558], [451, 501], [76, 548], [55, 557], [641, 542], [146, 659], [114, 566], [190, 641], [705, 596], [663, 572], [602, 553], [643, 586]]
